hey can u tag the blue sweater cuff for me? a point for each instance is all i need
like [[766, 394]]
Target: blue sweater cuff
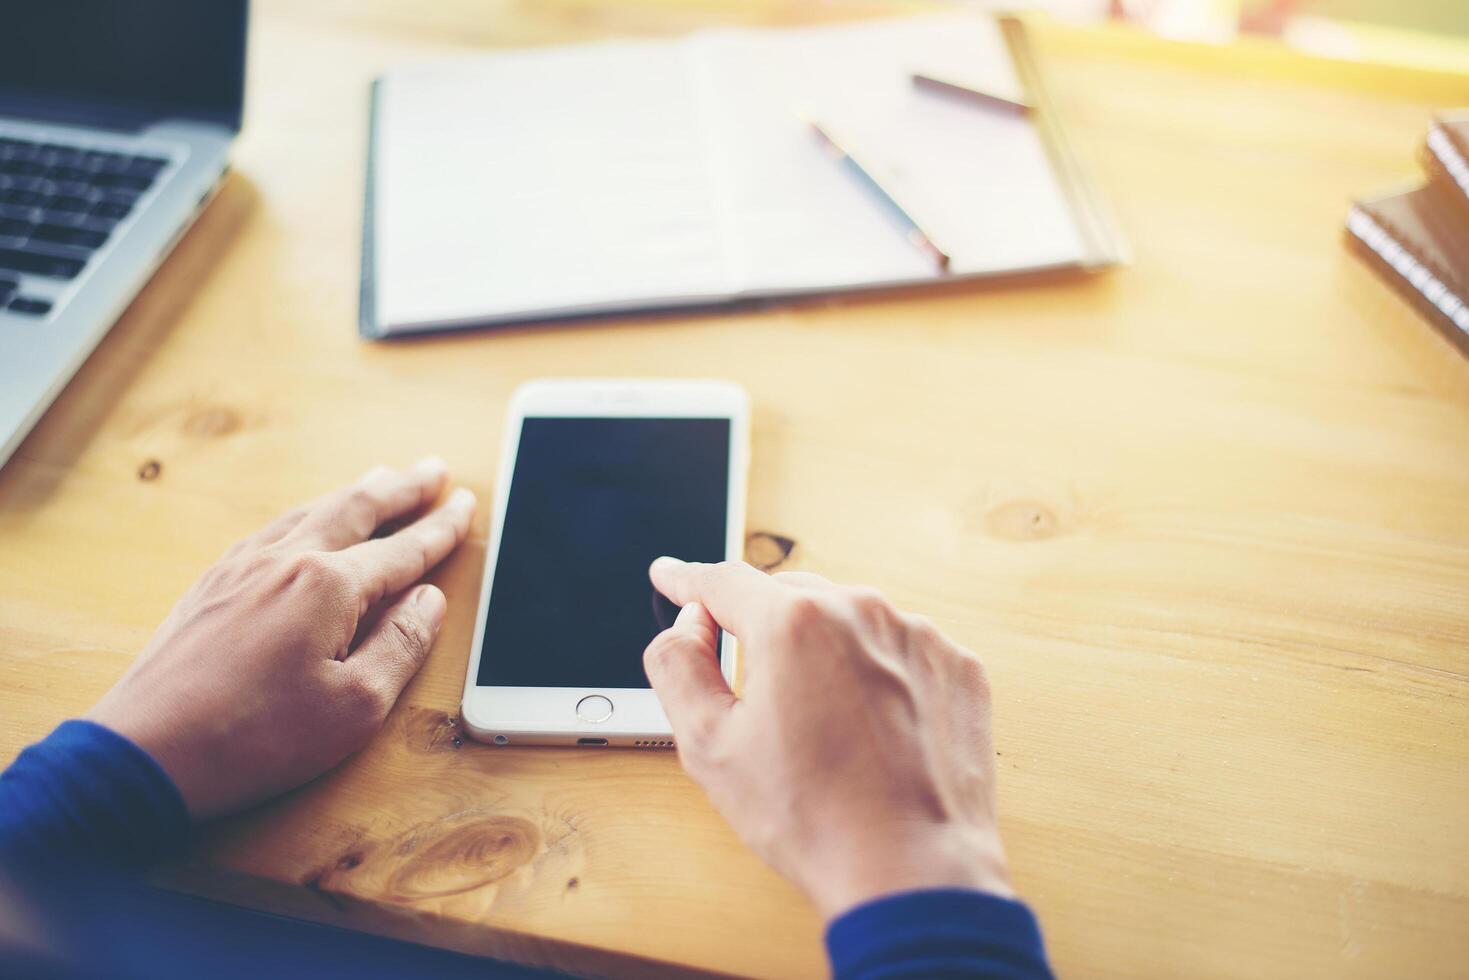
[[86, 793], [944, 932]]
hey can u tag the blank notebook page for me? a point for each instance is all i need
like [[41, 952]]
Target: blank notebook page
[[545, 180], [633, 174], [977, 179]]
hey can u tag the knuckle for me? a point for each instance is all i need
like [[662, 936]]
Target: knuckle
[[315, 569], [422, 547], [694, 748], [657, 655], [866, 599], [364, 700], [797, 615], [322, 576], [801, 617], [361, 503], [354, 509], [870, 606], [803, 609], [693, 757], [411, 635], [717, 570], [663, 653], [971, 670], [281, 526], [921, 628], [712, 753], [260, 563], [361, 495], [727, 569]]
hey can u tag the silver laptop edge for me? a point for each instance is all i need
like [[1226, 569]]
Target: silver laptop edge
[[39, 353]]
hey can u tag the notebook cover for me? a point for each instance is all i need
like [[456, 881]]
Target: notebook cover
[[1418, 241], [1445, 158]]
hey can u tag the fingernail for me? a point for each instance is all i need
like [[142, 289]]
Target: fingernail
[[431, 465], [431, 602], [687, 613], [666, 561], [462, 497]]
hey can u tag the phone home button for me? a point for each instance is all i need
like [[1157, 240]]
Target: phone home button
[[593, 709]]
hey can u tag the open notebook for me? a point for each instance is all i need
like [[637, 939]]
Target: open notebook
[[636, 175]]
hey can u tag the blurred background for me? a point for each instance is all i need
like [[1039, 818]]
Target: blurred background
[[1423, 33]]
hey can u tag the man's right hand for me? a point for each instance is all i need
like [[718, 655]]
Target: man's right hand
[[858, 761]]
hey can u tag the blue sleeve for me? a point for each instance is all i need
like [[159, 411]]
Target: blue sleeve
[[85, 793], [947, 932]]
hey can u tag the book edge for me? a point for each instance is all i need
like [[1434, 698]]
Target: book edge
[[1095, 223], [1449, 163], [1102, 243], [368, 324], [1410, 276]]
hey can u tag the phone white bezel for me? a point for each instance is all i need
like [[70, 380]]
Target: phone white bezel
[[548, 715]]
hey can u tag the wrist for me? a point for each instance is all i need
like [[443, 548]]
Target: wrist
[[851, 871], [150, 735]]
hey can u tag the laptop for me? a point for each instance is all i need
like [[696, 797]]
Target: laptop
[[116, 119]]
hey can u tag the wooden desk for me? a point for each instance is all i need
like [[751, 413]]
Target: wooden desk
[[1206, 518]]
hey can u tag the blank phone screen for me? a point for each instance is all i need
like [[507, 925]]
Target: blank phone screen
[[592, 502]]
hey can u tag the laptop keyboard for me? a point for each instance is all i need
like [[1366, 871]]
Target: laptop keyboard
[[58, 205]]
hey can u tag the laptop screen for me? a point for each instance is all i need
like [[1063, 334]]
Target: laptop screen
[[161, 57]]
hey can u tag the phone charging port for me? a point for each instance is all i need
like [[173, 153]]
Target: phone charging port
[[591, 741]]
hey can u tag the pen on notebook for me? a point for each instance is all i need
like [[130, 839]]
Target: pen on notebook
[[916, 232], [951, 87]]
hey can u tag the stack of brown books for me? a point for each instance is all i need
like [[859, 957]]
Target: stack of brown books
[[1418, 240]]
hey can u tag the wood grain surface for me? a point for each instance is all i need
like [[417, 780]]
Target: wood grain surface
[[1205, 517]]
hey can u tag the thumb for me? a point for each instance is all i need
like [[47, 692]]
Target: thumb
[[683, 666], [394, 649]]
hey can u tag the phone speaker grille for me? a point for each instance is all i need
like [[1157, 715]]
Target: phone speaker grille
[[653, 743]]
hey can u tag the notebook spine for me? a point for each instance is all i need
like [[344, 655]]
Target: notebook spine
[[1448, 158], [1422, 285], [1448, 172]]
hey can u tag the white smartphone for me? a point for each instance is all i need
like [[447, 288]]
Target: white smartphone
[[597, 479]]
